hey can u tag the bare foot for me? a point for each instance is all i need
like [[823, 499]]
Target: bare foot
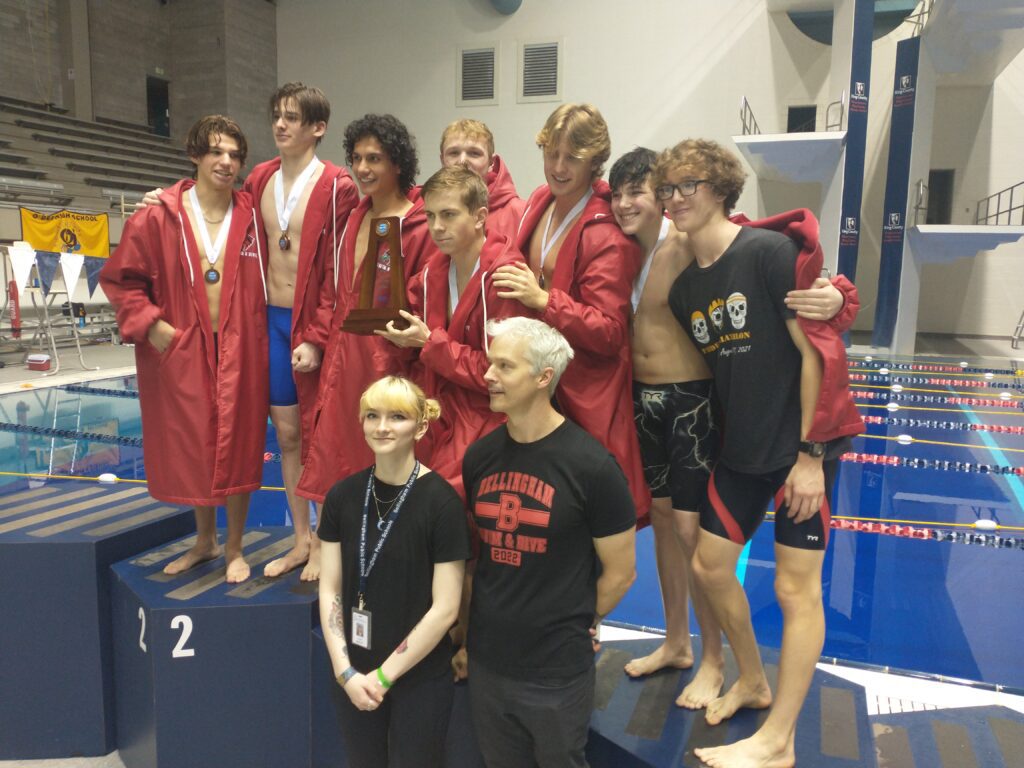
[[200, 553], [705, 687], [312, 570], [237, 570], [292, 559], [757, 696], [755, 752], [662, 657]]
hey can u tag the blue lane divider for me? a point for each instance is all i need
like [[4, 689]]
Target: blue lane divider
[[71, 434], [84, 389]]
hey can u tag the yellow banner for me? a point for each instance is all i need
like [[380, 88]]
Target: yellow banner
[[65, 231]]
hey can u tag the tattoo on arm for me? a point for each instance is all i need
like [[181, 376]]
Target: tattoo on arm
[[404, 645], [336, 620]]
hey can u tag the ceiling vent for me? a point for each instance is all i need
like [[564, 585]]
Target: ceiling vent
[[540, 72]]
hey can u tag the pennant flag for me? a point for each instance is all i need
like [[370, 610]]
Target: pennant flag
[[46, 265], [23, 257], [85, 233], [71, 269], [93, 265]]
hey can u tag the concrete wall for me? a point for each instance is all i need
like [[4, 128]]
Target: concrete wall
[[128, 41], [250, 67], [31, 51], [220, 56]]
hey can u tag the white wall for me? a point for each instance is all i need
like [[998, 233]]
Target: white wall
[[978, 134], [660, 71]]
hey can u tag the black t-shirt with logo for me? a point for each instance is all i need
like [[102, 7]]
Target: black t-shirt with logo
[[734, 311], [538, 506], [431, 528]]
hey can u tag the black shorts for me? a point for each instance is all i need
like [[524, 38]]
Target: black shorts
[[736, 504], [678, 439]]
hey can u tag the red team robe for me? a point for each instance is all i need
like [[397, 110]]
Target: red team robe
[[451, 366], [835, 414], [204, 414], [504, 206], [589, 302], [330, 202], [349, 366]]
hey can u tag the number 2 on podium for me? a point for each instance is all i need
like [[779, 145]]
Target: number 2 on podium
[[182, 622]]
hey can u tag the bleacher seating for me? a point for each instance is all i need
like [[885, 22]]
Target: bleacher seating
[[48, 158]]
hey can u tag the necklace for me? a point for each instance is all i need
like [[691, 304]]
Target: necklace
[[388, 505], [212, 248]]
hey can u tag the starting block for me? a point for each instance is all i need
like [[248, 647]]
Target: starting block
[[57, 543], [211, 673]]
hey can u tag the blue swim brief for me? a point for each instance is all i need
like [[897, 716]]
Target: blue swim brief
[[279, 334]]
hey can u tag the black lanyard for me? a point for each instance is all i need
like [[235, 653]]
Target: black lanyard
[[364, 568]]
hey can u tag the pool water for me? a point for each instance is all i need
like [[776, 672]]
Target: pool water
[[936, 607]]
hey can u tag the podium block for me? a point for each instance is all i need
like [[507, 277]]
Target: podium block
[[636, 723], [209, 673], [57, 543]]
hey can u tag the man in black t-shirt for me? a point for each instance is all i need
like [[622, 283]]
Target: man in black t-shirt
[[768, 384], [556, 523]]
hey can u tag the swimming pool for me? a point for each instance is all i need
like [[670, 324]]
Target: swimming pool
[[892, 600]]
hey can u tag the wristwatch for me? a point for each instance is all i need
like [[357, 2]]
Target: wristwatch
[[814, 450]]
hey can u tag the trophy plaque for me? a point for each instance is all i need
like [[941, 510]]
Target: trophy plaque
[[381, 280]]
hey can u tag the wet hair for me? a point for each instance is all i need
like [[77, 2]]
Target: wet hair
[[395, 140], [313, 105], [545, 346], [703, 158], [394, 393], [634, 167], [471, 188], [201, 134], [586, 131], [472, 129]]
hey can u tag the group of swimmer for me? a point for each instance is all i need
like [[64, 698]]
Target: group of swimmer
[[566, 368]]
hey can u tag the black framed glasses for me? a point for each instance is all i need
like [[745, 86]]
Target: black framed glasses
[[686, 188]]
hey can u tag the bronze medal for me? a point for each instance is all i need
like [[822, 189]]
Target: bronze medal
[[285, 242], [211, 276]]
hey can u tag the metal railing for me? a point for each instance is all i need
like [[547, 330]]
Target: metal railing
[[920, 16], [750, 125], [833, 123], [1008, 204], [921, 203]]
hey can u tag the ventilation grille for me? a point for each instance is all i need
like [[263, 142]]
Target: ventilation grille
[[540, 71], [477, 83]]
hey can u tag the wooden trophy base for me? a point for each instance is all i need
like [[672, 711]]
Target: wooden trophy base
[[365, 321]]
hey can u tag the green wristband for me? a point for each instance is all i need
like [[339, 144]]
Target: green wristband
[[383, 680]]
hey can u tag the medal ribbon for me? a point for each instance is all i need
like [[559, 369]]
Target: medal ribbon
[[364, 568], [545, 244], [641, 280], [285, 208], [212, 248], [453, 284]]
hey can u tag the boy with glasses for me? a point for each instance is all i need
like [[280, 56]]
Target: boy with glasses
[[782, 386]]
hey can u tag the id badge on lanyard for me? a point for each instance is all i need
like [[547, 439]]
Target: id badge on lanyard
[[361, 627]]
